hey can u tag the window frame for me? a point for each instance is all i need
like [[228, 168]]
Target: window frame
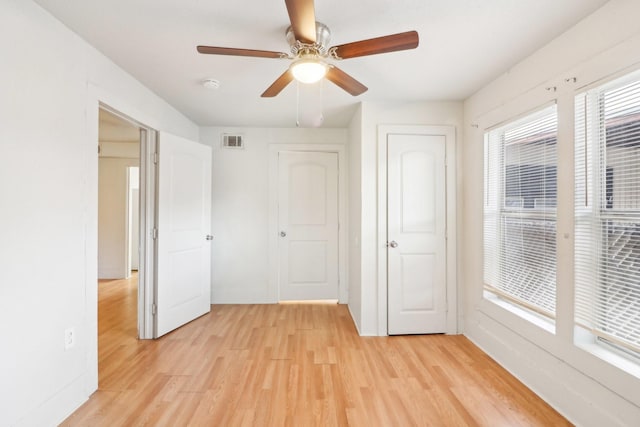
[[594, 206], [496, 209]]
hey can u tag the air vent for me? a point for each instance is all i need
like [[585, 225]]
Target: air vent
[[232, 141]]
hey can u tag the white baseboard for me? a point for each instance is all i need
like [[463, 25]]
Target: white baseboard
[[57, 408]]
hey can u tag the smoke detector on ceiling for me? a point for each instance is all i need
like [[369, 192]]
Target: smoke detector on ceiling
[[212, 84]]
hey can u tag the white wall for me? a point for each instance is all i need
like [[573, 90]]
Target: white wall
[[51, 84], [372, 115], [113, 212], [587, 390], [240, 212]]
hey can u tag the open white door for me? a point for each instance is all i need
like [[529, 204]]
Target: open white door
[[183, 290], [417, 285]]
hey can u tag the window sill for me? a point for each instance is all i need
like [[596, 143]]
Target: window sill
[[543, 323], [587, 342]]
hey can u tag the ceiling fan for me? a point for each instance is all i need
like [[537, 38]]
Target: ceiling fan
[[309, 43]]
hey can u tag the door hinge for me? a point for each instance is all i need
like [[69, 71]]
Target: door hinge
[[154, 309], [154, 233], [98, 148], [155, 158]]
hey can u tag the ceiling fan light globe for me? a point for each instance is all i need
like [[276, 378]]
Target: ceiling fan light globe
[[308, 70]]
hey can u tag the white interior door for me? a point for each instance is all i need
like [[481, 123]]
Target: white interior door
[[416, 234], [308, 223], [184, 222]]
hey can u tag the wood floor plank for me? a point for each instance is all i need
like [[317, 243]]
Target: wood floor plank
[[293, 365]]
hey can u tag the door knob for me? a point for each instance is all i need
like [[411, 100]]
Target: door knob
[[393, 244], [209, 237], [283, 234]]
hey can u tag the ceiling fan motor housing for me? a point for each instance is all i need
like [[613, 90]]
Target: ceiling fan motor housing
[[321, 46]]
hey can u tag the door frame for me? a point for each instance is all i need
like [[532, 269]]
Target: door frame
[[274, 150], [449, 133]]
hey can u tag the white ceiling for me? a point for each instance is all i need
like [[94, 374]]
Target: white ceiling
[[464, 44]]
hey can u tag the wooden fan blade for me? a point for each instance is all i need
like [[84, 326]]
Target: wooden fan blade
[[213, 50], [277, 86], [384, 44], [345, 81], [302, 15]]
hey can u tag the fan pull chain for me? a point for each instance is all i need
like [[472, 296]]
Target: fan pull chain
[[297, 104], [321, 103]]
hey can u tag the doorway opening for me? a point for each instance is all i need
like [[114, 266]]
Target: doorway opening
[[118, 180], [126, 214], [118, 221]]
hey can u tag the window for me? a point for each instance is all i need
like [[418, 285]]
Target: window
[[607, 212], [520, 211]]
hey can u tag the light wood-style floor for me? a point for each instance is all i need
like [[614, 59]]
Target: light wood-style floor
[[294, 365]]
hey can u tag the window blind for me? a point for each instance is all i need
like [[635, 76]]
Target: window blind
[[520, 211], [607, 212]]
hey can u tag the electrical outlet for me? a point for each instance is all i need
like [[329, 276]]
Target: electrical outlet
[[69, 338]]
